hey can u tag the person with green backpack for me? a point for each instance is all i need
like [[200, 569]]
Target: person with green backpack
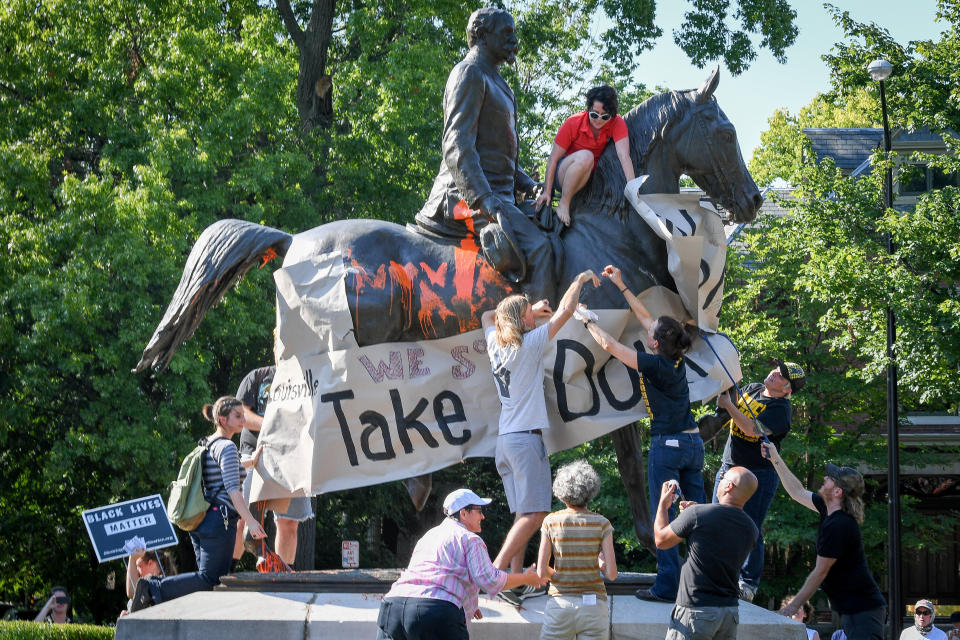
[[213, 537]]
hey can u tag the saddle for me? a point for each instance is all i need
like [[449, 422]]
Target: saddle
[[499, 246]]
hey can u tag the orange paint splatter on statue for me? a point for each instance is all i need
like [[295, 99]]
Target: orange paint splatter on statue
[[430, 302], [437, 278], [403, 276]]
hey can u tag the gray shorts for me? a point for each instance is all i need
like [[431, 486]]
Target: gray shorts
[[703, 623], [299, 509], [524, 467]]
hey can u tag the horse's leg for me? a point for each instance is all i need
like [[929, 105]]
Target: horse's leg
[[419, 488], [633, 474]]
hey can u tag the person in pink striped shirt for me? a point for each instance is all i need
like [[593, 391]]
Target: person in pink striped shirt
[[438, 592]]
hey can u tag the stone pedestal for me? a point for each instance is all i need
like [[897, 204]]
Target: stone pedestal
[[271, 607]]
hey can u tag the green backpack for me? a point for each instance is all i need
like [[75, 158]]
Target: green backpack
[[187, 505]]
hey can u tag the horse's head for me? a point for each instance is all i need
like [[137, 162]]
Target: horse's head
[[706, 148]]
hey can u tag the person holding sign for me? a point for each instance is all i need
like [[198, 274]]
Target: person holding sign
[[515, 346], [213, 540], [676, 449]]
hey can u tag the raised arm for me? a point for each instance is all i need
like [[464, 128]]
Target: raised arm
[[568, 303], [791, 483], [663, 535], [743, 421], [640, 311], [623, 353]]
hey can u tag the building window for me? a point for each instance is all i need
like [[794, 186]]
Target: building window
[[915, 179]]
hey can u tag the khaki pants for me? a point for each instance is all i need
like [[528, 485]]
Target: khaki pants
[[566, 617]]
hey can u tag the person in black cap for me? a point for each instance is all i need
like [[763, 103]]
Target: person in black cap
[[769, 403], [955, 631], [841, 566]]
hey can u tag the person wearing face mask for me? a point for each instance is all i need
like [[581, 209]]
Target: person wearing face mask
[[923, 615], [768, 402], [213, 539]]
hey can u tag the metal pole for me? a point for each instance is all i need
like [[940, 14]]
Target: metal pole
[[895, 600]]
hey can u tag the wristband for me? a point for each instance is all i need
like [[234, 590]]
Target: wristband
[[586, 322], [624, 289]]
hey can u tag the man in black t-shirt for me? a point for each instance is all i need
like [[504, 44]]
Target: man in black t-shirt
[[719, 537], [769, 403], [841, 567]]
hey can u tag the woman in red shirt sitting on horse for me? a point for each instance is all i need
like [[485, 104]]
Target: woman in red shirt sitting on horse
[[578, 145]]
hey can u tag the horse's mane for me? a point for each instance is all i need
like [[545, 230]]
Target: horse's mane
[[647, 123]]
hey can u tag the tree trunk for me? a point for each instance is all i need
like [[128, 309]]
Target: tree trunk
[[633, 474], [314, 95]]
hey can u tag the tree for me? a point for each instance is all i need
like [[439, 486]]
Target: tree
[[126, 128], [816, 284]]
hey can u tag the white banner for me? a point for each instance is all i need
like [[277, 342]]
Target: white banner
[[343, 416], [696, 247]]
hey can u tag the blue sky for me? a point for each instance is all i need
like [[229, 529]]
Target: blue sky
[[751, 98]]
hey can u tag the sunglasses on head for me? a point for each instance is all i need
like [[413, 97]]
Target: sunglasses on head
[[603, 116]]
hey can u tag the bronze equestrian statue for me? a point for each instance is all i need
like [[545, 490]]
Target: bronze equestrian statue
[[433, 280]]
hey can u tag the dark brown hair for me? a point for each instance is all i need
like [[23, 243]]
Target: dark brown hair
[[220, 409], [671, 337]]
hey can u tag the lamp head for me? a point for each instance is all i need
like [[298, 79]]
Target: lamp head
[[880, 69]]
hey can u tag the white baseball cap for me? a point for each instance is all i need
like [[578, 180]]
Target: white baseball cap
[[461, 498]]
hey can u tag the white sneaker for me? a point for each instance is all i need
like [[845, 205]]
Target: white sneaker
[[746, 591]]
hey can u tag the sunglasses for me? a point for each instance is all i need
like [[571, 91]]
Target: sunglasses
[[63, 599], [923, 612], [476, 508], [603, 116]]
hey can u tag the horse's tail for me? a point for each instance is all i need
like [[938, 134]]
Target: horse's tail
[[225, 251]]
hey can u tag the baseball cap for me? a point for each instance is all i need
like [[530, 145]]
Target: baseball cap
[[794, 373], [847, 478], [925, 604], [461, 498]]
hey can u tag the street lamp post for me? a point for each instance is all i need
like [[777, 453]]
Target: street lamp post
[[880, 70]]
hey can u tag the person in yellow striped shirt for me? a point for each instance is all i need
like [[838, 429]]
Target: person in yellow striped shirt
[[581, 545]]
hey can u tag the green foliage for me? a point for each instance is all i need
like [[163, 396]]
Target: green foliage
[[21, 630], [125, 129], [784, 147]]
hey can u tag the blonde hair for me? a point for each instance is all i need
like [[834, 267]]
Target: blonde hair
[[852, 506], [509, 321]]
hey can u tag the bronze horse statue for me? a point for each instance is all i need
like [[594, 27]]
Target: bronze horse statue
[[408, 286]]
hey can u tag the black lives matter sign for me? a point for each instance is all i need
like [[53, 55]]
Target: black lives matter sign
[[110, 527]]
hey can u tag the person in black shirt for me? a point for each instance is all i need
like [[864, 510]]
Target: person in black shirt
[[769, 402], [841, 567], [719, 537], [676, 449]]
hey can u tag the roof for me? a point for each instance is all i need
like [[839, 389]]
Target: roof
[[849, 148]]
